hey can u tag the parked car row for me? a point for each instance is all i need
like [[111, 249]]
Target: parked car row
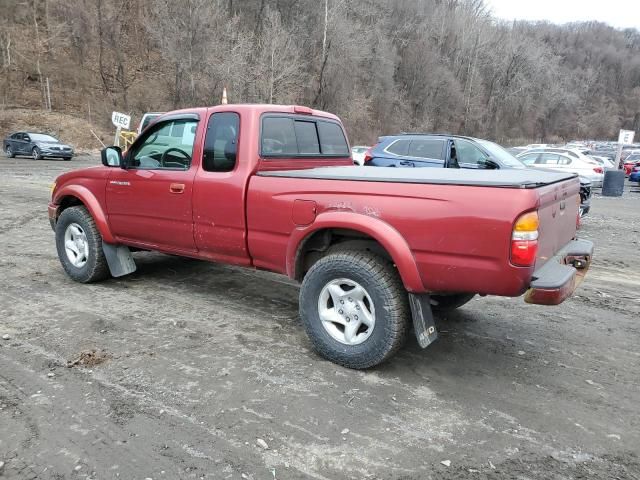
[[455, 151]]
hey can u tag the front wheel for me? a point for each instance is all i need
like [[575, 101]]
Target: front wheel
[[79, 246], [9, 152], [354, 308], [35, 153]]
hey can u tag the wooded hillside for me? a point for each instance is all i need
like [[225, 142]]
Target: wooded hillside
[[383, 66]]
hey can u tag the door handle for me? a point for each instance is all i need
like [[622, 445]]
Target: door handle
[[176, 188]]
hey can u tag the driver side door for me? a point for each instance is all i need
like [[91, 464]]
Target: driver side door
[[149, 201]]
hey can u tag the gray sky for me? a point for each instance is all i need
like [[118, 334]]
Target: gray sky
[[618, 13]]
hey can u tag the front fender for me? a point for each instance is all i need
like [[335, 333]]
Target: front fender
[[392, 241], [93, 205]]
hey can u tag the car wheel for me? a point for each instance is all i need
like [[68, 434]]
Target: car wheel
[[9, 152], [66, 159], [354, 308], [445, 303], [79, 246], [35, 153]]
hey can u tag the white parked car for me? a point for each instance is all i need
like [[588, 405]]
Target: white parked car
[[357, 153], [536, 145], [603, 161], [565, 160]]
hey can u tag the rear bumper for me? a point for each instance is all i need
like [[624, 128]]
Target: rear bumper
[[557, 279]]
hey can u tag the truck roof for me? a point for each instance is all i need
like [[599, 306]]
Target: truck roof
[[254, 108]]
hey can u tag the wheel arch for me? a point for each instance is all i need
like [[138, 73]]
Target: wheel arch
[[76, 195], [359, 232]]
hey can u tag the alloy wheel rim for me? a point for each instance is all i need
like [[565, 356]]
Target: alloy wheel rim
[[76, 245], [35, 154], [346, 311]]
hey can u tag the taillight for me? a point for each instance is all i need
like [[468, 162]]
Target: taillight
[[368, 156], [524, 240], [597, 169]]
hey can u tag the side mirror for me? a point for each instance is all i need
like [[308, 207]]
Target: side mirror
[[112, 157]]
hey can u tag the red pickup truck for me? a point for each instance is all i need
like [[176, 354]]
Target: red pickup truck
[[375, 249]]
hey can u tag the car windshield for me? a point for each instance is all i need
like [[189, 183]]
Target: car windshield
[[501, 154], [41, 137]]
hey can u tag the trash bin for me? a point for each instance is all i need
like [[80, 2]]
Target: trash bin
[[613, 184]]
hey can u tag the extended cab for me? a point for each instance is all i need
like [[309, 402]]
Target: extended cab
[[273, 187]]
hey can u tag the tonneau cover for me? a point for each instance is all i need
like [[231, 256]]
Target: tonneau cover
[[505, 178]]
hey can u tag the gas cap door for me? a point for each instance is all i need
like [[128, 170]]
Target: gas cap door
[[304, 212]]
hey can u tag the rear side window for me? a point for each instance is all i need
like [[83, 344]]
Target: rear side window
[[429, 148], [332, 139], [529, 159], [221, 142], [399, 147], [549, 159], [288, 136]]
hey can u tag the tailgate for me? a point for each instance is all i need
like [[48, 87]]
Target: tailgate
[[558, 213]]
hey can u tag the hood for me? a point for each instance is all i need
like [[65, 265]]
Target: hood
[[51, 144]]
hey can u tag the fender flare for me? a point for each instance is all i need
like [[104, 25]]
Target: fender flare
[[390, 239], [93, 205]]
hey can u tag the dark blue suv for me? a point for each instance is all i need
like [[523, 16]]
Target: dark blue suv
[[435, 150]]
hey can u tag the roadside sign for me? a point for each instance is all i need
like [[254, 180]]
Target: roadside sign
[[121, 120], [626, 137]]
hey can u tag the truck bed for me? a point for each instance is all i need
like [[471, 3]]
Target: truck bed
[[511, 178]]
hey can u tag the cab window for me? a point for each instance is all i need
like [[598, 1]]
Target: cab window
[[166, 146], [292, 136]]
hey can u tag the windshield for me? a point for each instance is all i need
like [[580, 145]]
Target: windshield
[[500, 154], [40, 137]]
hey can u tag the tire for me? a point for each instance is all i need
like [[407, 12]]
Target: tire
[[9, 152], [444, 303], [385, 296], [35, 153], [94, 268], [66, 159]]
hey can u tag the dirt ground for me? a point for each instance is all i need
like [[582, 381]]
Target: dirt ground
[[193, 370]]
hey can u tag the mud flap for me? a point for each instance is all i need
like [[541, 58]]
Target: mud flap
[[423, 322], [119, 259]]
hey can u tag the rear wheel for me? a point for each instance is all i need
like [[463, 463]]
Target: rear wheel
[[79, 246], [35, 153], [445, 303], [354, 308], [9, 152]]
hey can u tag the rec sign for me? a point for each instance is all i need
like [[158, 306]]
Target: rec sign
[[121, 120]]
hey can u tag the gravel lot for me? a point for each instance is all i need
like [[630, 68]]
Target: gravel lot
[[193, 370]]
